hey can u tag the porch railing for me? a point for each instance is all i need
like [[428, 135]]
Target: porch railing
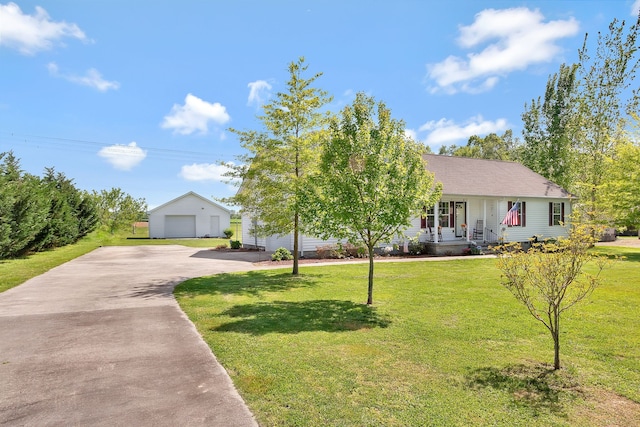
[[490, 236]]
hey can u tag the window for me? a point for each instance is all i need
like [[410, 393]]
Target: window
[[556, 213], [444, 216]]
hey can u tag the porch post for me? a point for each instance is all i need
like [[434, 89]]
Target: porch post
[[436, 220], [466, 216], [484, 218]]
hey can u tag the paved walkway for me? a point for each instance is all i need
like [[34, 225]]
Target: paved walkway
[[101, 341]]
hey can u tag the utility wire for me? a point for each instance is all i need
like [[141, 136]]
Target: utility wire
[[83, 145]]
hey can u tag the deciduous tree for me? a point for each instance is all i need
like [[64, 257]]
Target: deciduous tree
[[372, 180], [607, 96], [117, 209], [548, 142], [550, 278], [280, 157], [492, 146]]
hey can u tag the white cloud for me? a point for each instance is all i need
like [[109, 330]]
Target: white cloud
[[92, 78], [123, 157], [517, 38], [635, 8], [259, 92], [194, 115], [446, 131], [204, 172], [32, 33]]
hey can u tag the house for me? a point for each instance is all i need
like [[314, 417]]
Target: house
[[189, 215], [477, 194]]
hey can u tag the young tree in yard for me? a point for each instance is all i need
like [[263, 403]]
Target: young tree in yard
[[372, 180], [118, 209], [550, 278], [281, 157]]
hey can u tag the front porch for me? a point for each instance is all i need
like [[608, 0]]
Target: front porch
[[447, 248]]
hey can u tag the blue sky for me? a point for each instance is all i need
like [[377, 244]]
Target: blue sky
[[140, 94]]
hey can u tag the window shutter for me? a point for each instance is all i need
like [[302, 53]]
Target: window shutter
[[562, 213], [423, 219], [550, 214], [452, 213], [509, 206], [524, 213]]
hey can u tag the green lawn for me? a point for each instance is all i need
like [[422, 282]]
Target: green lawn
[[445, 344], [16, 271]]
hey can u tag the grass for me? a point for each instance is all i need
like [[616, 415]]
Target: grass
[[16, 271], [444, 344]]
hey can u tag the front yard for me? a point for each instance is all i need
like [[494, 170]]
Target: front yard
[[444, 344]]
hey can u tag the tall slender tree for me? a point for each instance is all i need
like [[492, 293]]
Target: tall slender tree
[[607, 97], [548, 129], [280, 157]]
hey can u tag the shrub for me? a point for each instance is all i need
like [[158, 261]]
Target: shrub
[[281, 254], [228, 233], [415, 245], [235, 244], [327, 251], [355, 251]]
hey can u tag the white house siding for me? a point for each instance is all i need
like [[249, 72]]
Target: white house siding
[[249, 240], [537, 221], [171, 219]]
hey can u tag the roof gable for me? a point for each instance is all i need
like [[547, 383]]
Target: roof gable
[[190, 194], [480, 177]]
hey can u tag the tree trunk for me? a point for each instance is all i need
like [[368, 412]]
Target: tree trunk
[[295, 245], [556, 340], [370, 293]]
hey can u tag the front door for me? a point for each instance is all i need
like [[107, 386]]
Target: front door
[[460, 218]]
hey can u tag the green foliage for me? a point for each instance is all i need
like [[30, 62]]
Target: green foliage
[[228, 233], [372, 180], [118, 210], [492, 146], [280, 157], [38, 214], [415, 246], [72, 213], [550, 277], [235, 244], [548, 129], [621, 198], [281, 254], [603, 108]]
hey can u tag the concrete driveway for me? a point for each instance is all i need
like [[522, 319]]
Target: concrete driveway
[[101, 341]]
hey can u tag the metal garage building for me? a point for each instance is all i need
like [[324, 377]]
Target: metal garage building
[[189, 215]]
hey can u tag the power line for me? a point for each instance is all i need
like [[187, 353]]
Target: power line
[[83, 145]]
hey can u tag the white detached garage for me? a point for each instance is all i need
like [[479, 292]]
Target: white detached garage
[[189, 215]]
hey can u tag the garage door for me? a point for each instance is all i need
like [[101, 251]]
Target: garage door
[[179, 226]]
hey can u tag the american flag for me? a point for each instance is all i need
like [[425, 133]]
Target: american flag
[[512, 217]]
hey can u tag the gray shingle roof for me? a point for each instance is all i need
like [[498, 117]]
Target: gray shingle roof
[[479, 177]]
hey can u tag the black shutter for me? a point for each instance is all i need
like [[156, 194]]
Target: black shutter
[[423, 219], [523, 206], [562, 214], [550, 214]]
